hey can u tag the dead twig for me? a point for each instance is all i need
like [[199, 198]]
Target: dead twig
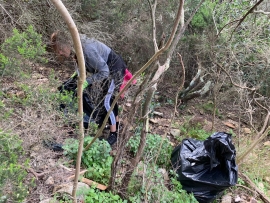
[[253, 145], [236, 85], [245, 16], [37, 175], [66, 168], [87, 181], [264, 198], [73, 176]]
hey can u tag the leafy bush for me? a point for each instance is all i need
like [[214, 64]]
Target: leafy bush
[[209, 108], [152, 188], [11, 173], [17, 48], [194, 132], [203, 18], [95, 196], [96, 159], [153, 148]]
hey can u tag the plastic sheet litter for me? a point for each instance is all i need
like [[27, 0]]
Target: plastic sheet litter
[[206, 168]]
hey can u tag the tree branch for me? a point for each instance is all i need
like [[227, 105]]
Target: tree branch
[[245, 16], [236, 85], [79, 52], [261, 11], [257, 190]]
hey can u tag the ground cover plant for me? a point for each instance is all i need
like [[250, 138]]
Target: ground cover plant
[[97, 160], [232, 54], [12, 170]]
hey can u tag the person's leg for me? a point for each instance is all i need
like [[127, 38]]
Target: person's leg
[[114, 128], [107, 103]]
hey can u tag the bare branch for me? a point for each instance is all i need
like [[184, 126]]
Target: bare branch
[[229, 23], [182, 82], [12, 19], [236, 85], [181, 31], [257, 190], [245, 16], [254, 144], [79, 52], [261, 11], [153, 14]]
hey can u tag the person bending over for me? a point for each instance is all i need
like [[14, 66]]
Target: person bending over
[[107, 71]]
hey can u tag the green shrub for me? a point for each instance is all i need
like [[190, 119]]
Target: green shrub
[[194, 132], [203, 18], [18, 48], [94, 196], [153, 148], [209, 108], [11, 172], [96, 159], [151, 187]]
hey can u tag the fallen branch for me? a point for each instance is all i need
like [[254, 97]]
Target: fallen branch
[[88, 182], [264, 198], [73, 176], [37, 175], [252, 146], [66, 168]]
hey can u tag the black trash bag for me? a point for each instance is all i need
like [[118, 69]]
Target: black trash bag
[[206, 168], [88, 107]]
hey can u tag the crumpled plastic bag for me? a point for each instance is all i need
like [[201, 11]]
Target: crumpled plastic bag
[[206, 168]]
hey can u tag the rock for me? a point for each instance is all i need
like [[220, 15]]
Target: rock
[[49, 181], [158, 113], [246, 130], [229, 124], [128, 104], [237, 199], [68, 187], [227, 198], [253, 200], [155, 121], [267, 179], [164, 173], [50, 200], [267, 143], [175, 132], [261, 186]]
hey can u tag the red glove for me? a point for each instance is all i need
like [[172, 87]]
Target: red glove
[[127, 78]]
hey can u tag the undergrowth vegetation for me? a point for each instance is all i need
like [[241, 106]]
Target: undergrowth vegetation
[[157, 150], [150, 183], [97, 160], [12, 168], [18, 50], [235, 58]]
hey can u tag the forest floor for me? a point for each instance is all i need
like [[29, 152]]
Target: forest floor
[[50, 169]]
